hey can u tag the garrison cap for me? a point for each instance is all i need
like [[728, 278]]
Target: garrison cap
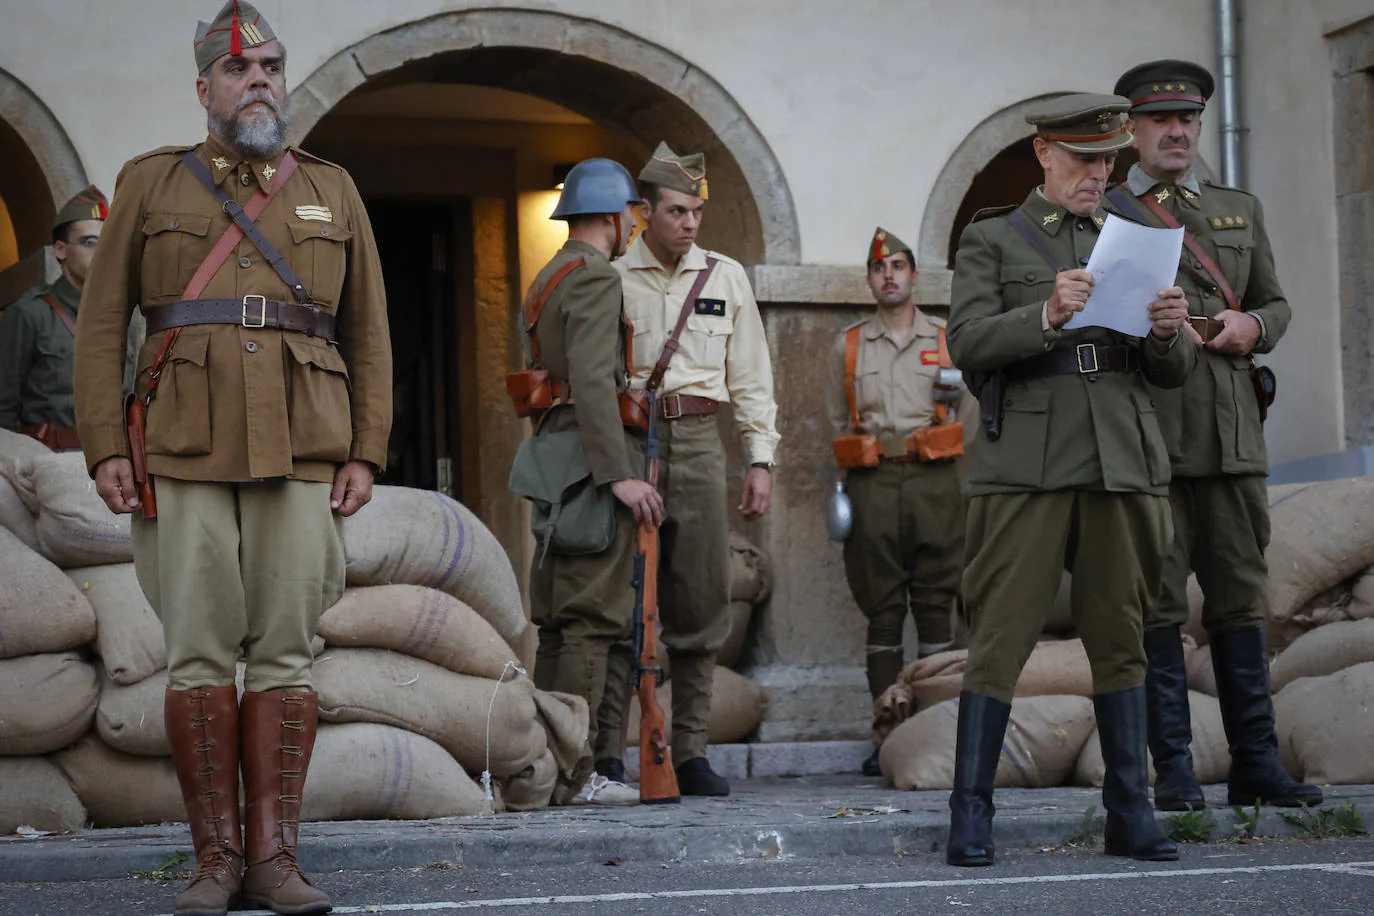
[[1084, 122], [88, 203], [1166, 85], [679, 173], [235, 27], [885, 244]]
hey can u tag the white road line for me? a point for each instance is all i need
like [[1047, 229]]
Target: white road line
[[1354, 868]]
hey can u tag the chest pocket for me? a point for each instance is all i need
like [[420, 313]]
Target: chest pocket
[[320, 258], [705, 338], [174, 245], [1026, 284], [1235, 249]]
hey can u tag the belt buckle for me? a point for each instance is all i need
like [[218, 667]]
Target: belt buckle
[[1083, 367], [675, 399], [262, 312]]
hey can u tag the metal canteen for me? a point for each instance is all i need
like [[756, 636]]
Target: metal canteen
[[949, 386], [839, 516]]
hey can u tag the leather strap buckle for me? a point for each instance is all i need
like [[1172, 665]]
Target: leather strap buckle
[[675, 412], [262, 312], [1090, 365]]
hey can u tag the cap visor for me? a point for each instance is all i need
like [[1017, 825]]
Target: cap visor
[[1100, 146], [1171, 105]]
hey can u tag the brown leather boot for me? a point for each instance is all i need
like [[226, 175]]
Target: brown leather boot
[[203, 726], [278, 736]]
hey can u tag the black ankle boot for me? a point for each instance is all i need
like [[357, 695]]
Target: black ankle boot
[[1168, 722], [871, 767], [1241, 660], [1131, 828], [613, 768], [695, 777], [982, 724]]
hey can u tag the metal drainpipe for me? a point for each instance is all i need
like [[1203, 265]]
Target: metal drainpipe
[[1228, 61]]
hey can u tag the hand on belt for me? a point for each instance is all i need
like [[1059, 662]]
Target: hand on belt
[[676, 406]]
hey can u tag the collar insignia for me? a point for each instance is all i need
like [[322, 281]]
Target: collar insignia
[[1101, 221], [1051, 218], [1162, 195], [1188, 194], [268, 172], [220, 162]]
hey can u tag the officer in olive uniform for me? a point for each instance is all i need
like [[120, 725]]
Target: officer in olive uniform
[[267, 422], [37, 331], [906, 551], [1077, 477], [1216, 444], [584, 604]]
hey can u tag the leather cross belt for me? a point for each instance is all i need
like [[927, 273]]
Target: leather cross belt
[[1083, 359], [249, 312], [676, 406]]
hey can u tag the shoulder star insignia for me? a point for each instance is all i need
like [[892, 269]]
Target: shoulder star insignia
[[1052, 218], [268, 172], [1162, 195], [220, 162]]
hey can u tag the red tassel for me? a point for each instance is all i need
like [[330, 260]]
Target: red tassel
[[235, 42], [104, 210]]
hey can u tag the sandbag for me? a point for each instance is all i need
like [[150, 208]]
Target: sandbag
[[751, 571], [75, 527], [1323, 651], [1325, 727], [121, 790], [40, 611], [46, 702], [532, 787], [374, 685], [565, 720], [1193, 625], [33, 792], [1362, 594], [1201, 675], [1060, 619], [19, 448], [1044, 737], [738, 705], [1211, 755], [419, 537], [129, 635], [419, 622], [740, 614], [1323, 533], [363, 771], [15, 517], [130, 718]]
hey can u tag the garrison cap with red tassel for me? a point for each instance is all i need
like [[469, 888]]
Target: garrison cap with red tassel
[[88, 203], [885, 244], [235, 27]]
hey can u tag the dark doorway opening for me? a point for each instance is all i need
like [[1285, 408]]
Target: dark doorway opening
[[426, 251]]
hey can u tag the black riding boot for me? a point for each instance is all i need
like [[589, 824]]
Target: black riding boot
[[982, 724], [1131, 828], [1170, 729], [1241, 660]]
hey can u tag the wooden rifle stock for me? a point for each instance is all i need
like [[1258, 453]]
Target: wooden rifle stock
[[657, 779]]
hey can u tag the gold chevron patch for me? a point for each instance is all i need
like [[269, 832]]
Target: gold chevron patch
[[250, 34], [321, 214]]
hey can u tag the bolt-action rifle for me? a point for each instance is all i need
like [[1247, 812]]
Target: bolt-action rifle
[[657, 780]]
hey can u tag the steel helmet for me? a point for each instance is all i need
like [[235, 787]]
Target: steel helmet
[[596, 186]]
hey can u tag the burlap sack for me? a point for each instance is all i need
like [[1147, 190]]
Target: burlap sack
[[121, 790], [375, 772], [1362, 593], [15, 517], [374, 685], [19, 448], [532, 787], [418, 537], [738, 705], [75, 528], [751, 571], [33, 792], [46, 702], [1323, 533], [740, 614], [1323, 651], [1201, 676], [129, 718], [40, 611], [129, 635], [1193, 625], [1325, 727], [419, 622], [1211, 756], [1060, 619], [1043, 740], [565, 721]]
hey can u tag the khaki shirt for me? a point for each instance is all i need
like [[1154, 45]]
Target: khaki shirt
[[237, 403], [894, 384], [722, 357]]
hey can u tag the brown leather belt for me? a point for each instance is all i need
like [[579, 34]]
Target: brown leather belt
[[1083, 359], [677, 406], [249, 312], [54, 437]]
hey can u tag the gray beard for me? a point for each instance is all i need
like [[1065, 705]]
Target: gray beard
[[255, 139]]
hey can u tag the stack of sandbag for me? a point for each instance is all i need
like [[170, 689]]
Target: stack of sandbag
[[1211, 756], [73, 526], [16, 452], [751, 584]]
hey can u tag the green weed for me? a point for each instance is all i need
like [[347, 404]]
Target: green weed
[[165, 873], [1192, 826], [1327, 823]]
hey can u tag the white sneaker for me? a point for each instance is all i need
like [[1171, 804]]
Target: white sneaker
[[599, 790]]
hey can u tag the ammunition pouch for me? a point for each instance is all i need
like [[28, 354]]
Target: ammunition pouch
[[858, 451], [937, 443], [530, 391]]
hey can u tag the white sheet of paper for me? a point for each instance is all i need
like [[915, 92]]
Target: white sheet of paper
[[1131, 263]]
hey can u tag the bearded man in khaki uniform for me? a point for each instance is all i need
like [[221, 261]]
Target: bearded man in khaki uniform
[[906, 550], [267, 421]]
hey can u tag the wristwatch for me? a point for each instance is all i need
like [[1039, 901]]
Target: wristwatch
[[766, 465]]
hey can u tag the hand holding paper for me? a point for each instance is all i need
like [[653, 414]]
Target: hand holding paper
[[1130, 265]]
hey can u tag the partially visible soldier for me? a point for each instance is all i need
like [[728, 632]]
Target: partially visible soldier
[[1077, 478], [267, 420], [906, 551], [676, 290], [38, 331], [574, 325], [1212, 426]]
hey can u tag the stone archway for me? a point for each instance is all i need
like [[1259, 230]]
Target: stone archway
[[611, 76]]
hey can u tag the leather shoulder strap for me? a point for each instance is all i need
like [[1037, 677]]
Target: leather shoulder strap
[[671, 345], [945, 361], [60, 312], [536, 300], [851, 366], [1034, 238], [1212, 271]]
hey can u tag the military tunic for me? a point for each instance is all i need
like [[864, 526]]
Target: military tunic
[[906, 549], [1212, 424], [1077, 479]]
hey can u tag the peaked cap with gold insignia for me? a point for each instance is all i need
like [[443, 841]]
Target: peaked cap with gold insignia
[[235, 27], [1084, 122], [885, 244], [88, 203], [679, 173], [1166, 85]]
